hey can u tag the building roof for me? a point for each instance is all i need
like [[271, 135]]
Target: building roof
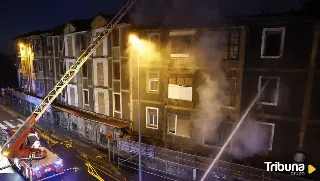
[[58, 30], [82, 24], [32, 33]]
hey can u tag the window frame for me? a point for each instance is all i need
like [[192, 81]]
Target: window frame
[[114, 103], [149, 80], [237, 44], [175, 124], [113, 70], [152, 126], [83, 97], [272, 133], [283, 32], [275, 103]]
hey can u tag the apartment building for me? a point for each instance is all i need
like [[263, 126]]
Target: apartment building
[[169, 83]]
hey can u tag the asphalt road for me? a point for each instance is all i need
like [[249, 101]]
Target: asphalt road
[[70, 159]]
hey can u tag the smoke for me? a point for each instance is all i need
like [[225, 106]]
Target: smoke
[[175, 12], [250, 139]]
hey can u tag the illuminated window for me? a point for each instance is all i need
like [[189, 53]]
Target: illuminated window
[[180, 88], [152, 117], [272, 42], [153, 82]]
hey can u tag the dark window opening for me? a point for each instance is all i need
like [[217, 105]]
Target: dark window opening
[[103, 139], [61, 67], [270, 93], [155, 40], [115, 37], [84, 70], [172, 119], [86, 96], [50, 65], [39, 65], [83, 42], [117, 102], [74, 126], [272, 43], [181, 44], [116, 70], [219, 136]]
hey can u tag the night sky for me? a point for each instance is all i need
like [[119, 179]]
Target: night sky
[[21, 16]]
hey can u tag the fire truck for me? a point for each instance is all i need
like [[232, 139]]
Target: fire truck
[[32, 159]]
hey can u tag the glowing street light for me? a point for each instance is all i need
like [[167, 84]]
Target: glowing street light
[[137, 43]]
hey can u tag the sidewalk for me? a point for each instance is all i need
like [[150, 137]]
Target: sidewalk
[[80, 146]]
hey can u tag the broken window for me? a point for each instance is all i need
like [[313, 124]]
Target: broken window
[[115, 37], [231, 89], [116, 70], [234, 40], [270, 94], [267, 128], [85, 70], [219, 136], [272, 42], [152, 117], [180, 88], [153, 85], [116, 102], [181, 46], [172, 123], [85, 96]]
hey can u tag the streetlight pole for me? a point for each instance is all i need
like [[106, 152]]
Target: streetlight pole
[[139, 120]]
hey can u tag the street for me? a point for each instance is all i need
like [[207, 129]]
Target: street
[[70, 158]]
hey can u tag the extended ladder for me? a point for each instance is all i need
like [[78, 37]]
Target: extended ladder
[[41, 108]]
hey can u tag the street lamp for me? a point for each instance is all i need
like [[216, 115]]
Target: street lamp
[[136, 42]]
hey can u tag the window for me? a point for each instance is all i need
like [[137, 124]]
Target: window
[[153, 82], [115, 37], [270, 95], [234, 41], [103, 139], [70, 47], [218, 134], [84, 70], [152, 117], [155, 40], [116, 102], [41, 86], [50, 65], [49, 44], [116, 70], [61, 67], [231, 89], [172, 123], [35, 66], [74, 126], [85, 97], [267, 128], [40, 65], [83, 42], [38, 85], [180, 46], [56, 46], [61, 44], [180, 88], [272, 42], [37, 44]]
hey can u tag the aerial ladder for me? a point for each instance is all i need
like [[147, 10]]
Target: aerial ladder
[[15, 144]]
